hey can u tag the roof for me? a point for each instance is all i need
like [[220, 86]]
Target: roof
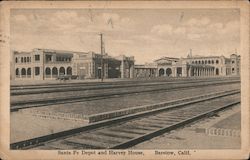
[[167, 58], [199, 57], [201, 66]]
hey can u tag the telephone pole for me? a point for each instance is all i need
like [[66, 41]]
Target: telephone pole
[[102, 65]]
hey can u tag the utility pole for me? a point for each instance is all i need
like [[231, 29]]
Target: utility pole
[[102, 66]]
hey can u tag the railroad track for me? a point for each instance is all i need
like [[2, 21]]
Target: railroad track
[[126, 131], [25, 90], [68, 98]]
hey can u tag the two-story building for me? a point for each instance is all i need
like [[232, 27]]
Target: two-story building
[[42, 64]]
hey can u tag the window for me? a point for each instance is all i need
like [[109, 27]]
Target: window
[[48, 58], [37, 57], [23, 71], [22, 59], [16, 59], [212, 61], [232, 62], [209, 62], [217, 61], [17, 72], [37, 70], [29, 71], [232, 70]]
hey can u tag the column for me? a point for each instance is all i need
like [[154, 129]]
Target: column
[[122, 69], [189, 72], [174, 71], [132, 71], [51, 72]]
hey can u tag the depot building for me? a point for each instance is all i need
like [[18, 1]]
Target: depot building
[[42, 64]]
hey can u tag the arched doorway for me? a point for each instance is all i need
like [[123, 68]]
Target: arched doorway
[[62, 71], [29, 72], [54, 72], [168, 72], [23, 72], [17, 72], [217, 71], [47, 72], [161, 72], [69, 71]]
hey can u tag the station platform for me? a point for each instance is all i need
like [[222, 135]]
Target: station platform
[[26, 125], [54, 81], [192, 137]]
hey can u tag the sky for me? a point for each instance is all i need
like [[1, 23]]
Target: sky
[[146, 34]]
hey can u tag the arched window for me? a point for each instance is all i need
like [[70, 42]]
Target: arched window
[[212, 61], [69, 71], [16, 59], [161, 72], [205, 61], [195, 62], [199, 62], [17, 72], [217, 61], [168, 71], [232, 70], [54, 71], [23, 71], [209, 62], [62, 71], [202, 62], [22, 59], [29, 71], [47, 71]]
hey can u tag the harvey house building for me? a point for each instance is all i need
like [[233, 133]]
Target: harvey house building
[[192, 66], [44, 64]]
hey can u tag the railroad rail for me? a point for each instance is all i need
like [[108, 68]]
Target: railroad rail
[[86, 96], [126, 131], [25, 90]]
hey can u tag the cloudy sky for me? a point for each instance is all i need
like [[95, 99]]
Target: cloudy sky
[[147, 34]]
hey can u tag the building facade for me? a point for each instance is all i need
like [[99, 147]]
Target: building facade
[[198, 66], [42, 64], [148, 70]]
